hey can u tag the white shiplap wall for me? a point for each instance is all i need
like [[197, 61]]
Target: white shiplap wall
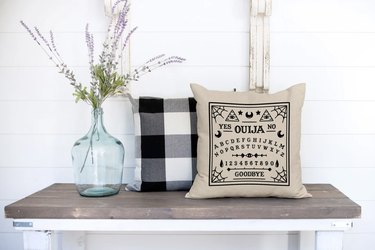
[[329, 44]]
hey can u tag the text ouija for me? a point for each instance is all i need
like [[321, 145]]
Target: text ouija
[[244, 129]]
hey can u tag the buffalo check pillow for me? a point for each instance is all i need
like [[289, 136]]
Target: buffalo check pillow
[[248, 144], [166, 139]]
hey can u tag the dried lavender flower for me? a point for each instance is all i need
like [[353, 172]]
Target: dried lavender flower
[[105, 80]]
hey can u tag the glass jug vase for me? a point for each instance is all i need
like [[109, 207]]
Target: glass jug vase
[[98, 160]]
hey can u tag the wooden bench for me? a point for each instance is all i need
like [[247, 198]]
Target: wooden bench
[[60, 208]]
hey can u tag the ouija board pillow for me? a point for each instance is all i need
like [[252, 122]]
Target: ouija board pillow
[[248, 144]]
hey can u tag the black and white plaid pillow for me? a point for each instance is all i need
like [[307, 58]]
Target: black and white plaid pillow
[[166, 141]]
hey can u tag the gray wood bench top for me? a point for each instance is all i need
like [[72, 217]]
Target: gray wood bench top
[[62, 201]]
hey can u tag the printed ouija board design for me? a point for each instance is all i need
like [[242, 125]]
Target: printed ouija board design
[[249, 144]]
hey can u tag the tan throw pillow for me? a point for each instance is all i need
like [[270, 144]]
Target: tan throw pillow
[[248, 144]]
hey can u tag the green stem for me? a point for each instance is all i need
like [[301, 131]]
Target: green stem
[[90, 148]]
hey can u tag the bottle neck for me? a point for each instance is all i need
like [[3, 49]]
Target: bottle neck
[[97, 121]]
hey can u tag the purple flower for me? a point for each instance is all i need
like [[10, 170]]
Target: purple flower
[[105, 80]]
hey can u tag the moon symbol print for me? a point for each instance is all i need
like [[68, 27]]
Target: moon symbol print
[[249, 152], [218, 134], [280, 134], [249, 116]]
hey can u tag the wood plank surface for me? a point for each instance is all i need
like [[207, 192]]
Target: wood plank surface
[[62, 201]]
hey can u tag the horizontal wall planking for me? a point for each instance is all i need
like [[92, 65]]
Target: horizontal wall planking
[[233, 15], [322, 49], [49, 117], [6, 225], [71, 46], [367, 221], [287, 49], [199, 48], [49, 151], [62, 117], [177, 80], [200, 242], [207, 49], [322, 16], [58, 15], [191, 15], [144, 46], [21, 182], [355, 241], [11, 241], [46, 84], [352, 241], [337, 150], [38, 83], [192, 241], [338, 117], [214, 15], [356, 183], [210, 15], [327, 83], [322, 83], [14, 241]]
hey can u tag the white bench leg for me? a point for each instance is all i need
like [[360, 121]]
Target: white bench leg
[[73, 240], [41, 240], [329, 240], [49, 240], [306, 240]]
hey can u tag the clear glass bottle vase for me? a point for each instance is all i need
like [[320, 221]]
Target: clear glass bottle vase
[[98, 160]]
